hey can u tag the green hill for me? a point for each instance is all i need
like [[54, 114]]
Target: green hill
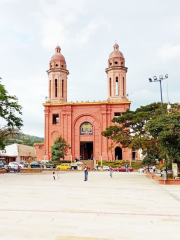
[[24, 139]]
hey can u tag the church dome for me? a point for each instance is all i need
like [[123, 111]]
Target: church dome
[[116, 53], [57, 56]]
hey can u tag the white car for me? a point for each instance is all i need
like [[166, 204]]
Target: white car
[[105, 168], [13, 165], [44, 161], [23, 164]]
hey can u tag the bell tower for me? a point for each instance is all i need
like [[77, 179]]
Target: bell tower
[[57, 74], [116, 74]]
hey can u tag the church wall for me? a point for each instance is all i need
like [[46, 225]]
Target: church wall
[[70, 119]]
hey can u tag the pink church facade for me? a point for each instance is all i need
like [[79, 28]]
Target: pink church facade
[[81, 123]]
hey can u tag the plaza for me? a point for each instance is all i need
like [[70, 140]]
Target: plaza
[[128, 206]]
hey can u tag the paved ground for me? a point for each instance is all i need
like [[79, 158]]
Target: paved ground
[[129, 206]]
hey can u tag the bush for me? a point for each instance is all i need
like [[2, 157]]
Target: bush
[[114, 164]]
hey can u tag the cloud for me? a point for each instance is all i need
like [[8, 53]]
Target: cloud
[[169, 52], [56, 33], [86, 30]]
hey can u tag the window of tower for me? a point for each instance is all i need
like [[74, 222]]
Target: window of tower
[[110, 87], [123, 86], [61, 65], [49, 88], [55, 118], [121, 63], [116, 62], [110, 63], [117, 86], [55, 87], [56, 65], [62, 88]]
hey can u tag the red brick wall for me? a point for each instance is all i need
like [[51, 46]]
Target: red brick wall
[[71, 116], [40, 151]]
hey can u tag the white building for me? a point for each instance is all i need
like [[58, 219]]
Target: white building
[[17, 152]]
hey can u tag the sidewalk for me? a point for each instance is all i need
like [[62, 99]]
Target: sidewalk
[[128, 206]]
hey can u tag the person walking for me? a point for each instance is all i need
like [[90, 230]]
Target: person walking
[[111, 171], [16, 169], [127, 168], [85, 173]]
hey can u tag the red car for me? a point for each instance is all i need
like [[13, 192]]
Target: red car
[[123, 169], [89, 168]]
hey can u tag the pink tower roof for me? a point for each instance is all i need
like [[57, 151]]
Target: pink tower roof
[[116, 53], [57, 55]]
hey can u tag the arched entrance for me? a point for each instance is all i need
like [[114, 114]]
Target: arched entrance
[[86, 143], [118, 153]]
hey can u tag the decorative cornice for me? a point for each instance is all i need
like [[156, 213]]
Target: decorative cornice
[[86, 103], [57, 70], [115, 67], [38, 144]]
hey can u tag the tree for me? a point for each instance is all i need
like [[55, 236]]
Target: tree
[[133, 132], [9, 109], [166, 128], [59, 149]]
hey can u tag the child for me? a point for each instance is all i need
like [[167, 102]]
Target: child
[[54, 176], [111, 171]]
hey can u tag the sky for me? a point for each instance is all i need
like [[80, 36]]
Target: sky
[[147, 31]]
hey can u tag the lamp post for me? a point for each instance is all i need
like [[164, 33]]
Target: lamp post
[[159, 80]]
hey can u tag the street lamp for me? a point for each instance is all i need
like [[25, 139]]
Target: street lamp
[[159, 80]]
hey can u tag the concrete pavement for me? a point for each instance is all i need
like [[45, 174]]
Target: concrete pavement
[[129, 206]]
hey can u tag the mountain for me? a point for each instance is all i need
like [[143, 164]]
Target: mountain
[[24, 139]]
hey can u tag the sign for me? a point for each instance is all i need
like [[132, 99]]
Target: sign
[[174, 169]]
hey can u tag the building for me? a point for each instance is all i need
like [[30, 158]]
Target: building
[[17, 152], [81, 123]]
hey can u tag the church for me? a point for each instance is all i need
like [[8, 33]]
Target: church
[[81, 123]]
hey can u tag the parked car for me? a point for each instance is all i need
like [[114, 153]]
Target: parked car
[[23, 164], [74, 166], [50, 165], [36, 164], [44, 161], [13, 165], [106, 168], [90, 169], [169, 170], [64, 166], [123, 169]]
